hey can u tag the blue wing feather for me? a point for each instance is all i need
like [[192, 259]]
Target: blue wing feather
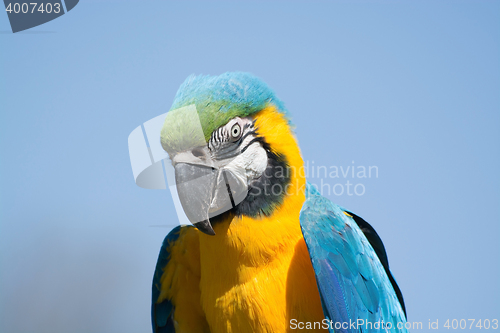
[[352, 281], [162, 313]]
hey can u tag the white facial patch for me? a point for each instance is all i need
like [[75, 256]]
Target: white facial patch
[[251, 164]]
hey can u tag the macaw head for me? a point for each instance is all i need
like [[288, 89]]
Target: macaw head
[[230, 142]]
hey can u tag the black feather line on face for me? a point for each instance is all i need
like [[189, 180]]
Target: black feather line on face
[[222, 147], [244, 136], [250, 143]]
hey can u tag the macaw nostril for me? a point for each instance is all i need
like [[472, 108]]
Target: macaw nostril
[[198, 152]]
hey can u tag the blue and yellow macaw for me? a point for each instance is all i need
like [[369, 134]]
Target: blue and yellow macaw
[[266, 252]]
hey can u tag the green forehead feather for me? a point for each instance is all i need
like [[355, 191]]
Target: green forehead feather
[[205, 103]]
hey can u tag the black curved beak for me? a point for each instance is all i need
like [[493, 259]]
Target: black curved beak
[[195, 184]]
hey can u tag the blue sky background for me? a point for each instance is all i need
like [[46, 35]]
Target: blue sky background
[[412, 87]]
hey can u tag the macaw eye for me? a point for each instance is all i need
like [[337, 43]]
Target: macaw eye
[[235, 131]]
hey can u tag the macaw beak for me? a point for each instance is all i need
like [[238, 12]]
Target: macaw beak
[[206, 189], [194, 185]]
